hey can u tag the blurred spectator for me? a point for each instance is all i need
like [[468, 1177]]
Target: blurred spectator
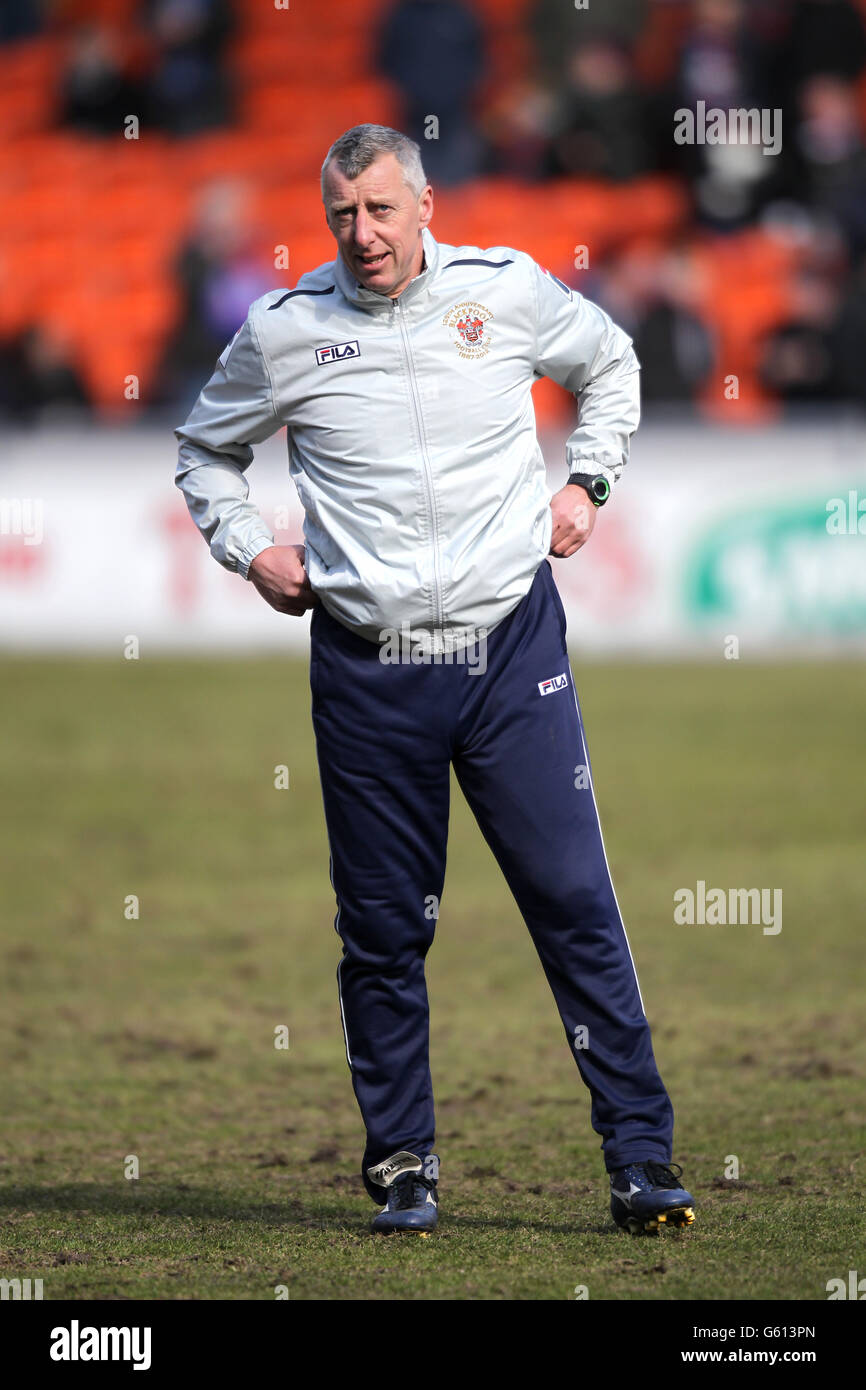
[[674, 345], [604, 123], [557, 29], [219, 273], [827, 37], [830, 169], [38, 379], [519, 125], [433, 51], [848, 339], [724, 64], [96, 91], [798, 362], [187, 89], [20, 19], [654, 293], [719, 63]]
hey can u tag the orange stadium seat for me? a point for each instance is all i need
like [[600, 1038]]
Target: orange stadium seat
[[301, 16], [263, 57], [552, 404], [586, 213], [42, 262], [510, 56], [305, 253], [118, 162], [284, 210], [659, 45], [139, 259], [649, 207], [747, 296], [136, 209], [32, 62], [106, 366], [283, 106], [51, 156], [71, 13], [253, 155], [499, 12], [25, 109], [15, 293]]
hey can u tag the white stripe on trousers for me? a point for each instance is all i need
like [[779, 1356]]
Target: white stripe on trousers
[[601, 837]]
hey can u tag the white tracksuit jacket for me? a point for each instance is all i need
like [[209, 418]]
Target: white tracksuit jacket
[[411, 433]]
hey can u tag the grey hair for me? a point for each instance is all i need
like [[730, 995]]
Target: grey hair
[[357, 148]]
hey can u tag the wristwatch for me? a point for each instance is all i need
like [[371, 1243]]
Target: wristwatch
[[598, 487]]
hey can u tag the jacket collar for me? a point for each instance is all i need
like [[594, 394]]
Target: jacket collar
[[417, 289]]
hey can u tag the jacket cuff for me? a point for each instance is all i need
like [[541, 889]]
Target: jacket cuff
[[246, 557], [593, 469]]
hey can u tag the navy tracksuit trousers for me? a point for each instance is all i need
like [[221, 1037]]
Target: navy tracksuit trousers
[[386, 735]]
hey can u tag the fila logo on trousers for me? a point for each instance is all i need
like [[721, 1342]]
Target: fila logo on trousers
[[555, 683], [336, 352]]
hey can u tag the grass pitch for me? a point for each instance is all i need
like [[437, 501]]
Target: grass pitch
[[152, 1038]]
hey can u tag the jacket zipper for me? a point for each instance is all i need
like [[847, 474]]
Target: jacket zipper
[[428, 472]]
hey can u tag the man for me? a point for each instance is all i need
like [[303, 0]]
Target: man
[[403, 372]]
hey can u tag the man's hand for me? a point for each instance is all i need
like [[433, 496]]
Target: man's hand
[[573, 519], [279, 575]]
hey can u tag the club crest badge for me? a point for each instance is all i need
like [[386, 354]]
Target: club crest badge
[[469, 328]]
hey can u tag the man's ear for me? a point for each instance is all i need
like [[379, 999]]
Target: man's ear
[[425, 206]]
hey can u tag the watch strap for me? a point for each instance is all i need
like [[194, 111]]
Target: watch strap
[[596, 485]]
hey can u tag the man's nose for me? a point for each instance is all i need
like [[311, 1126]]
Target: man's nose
[[363, 229]]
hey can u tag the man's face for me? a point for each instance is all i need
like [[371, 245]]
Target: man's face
[[377, 221]]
